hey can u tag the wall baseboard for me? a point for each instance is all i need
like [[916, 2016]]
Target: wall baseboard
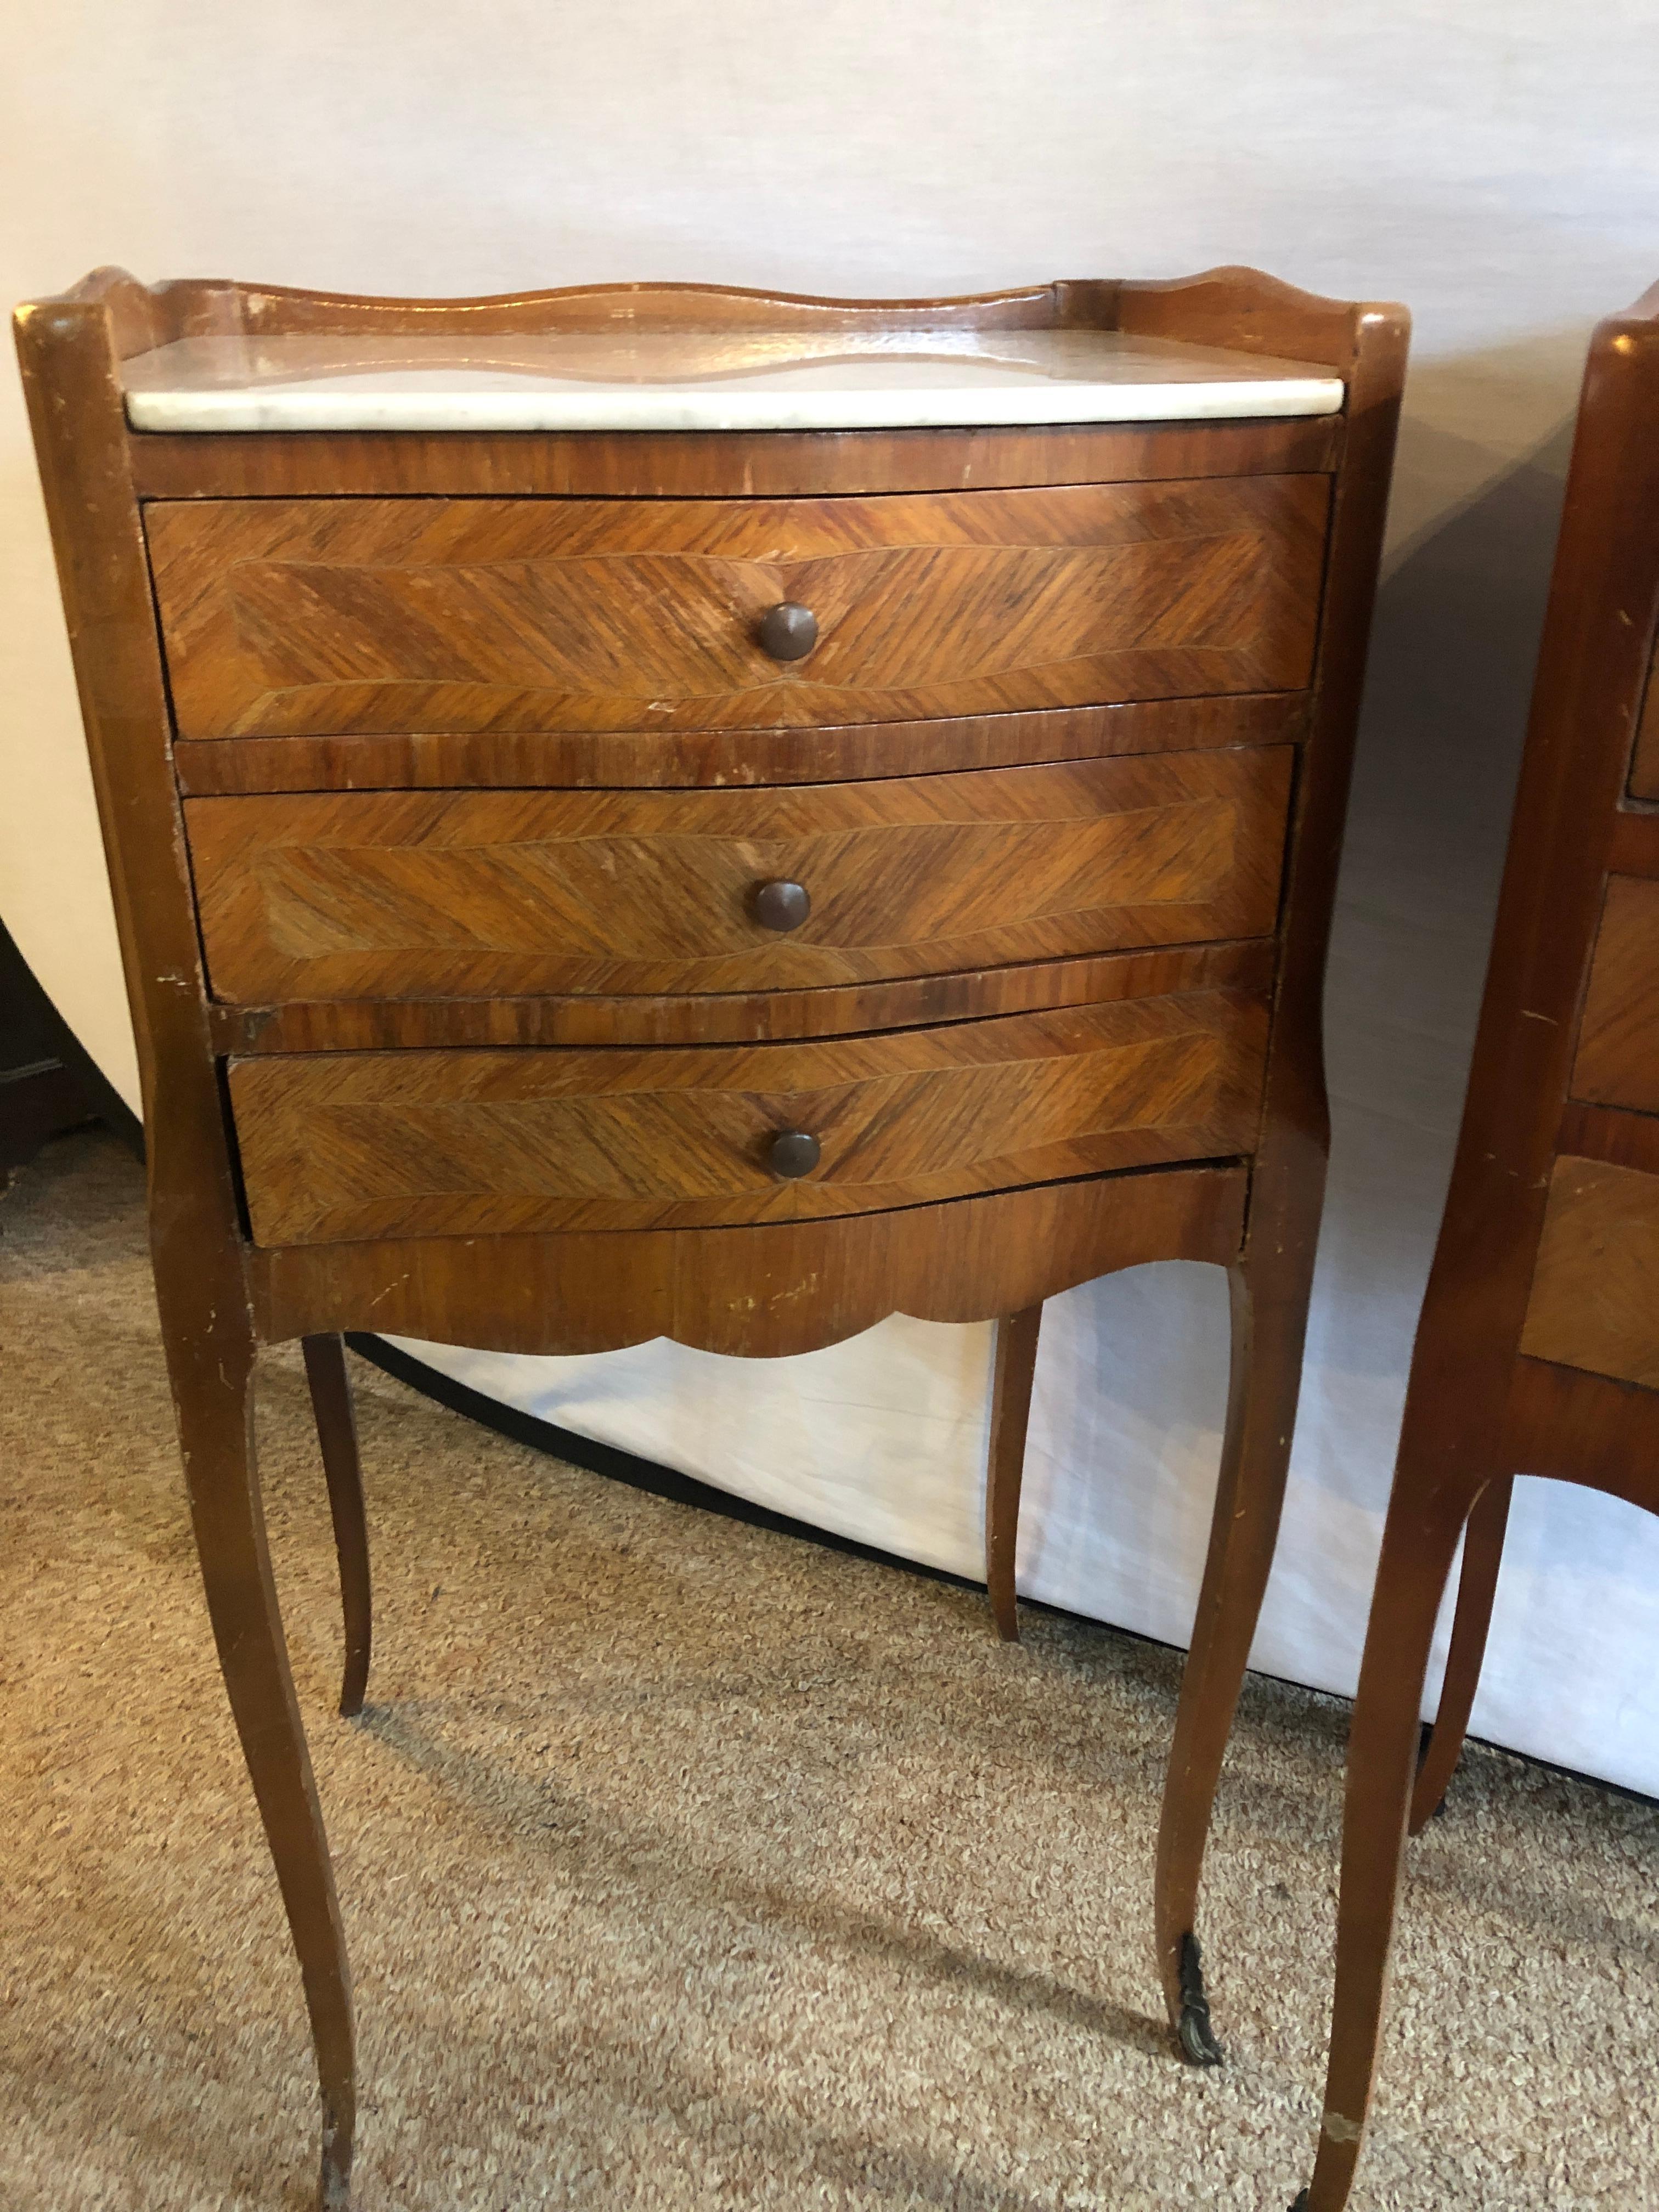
[[48, 1083]]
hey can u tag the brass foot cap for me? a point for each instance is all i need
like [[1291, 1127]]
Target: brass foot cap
[[1194, 2032]]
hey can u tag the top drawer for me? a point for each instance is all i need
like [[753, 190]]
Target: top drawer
[[311, 616]]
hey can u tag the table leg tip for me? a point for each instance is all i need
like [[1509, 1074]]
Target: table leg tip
[[1193, 2031], [1197, 2039], [334, 2184], [353, 1687]]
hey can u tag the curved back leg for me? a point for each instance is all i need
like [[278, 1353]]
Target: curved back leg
[[337, 1433], [1269, 1322], [212, 1378], [1011, 1411], [1483, 1553], [1420, 1542]]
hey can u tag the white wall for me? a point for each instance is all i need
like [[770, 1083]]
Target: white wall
[[1497, 172]]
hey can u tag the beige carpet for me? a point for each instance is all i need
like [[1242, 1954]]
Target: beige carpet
[[687, 1865]]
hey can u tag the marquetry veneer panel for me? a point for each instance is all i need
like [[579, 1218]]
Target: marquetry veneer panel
[[356, 1146], [1618, 1058], [1594, 1300], [500, 760], [415, 895], [906, 1002], [319, 616]]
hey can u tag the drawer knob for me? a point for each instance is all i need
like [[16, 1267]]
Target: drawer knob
[[788, 632], [782, 906], [792, 1152]]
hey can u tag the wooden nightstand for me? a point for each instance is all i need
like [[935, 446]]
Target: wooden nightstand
[[653, 810], [1537, 1351]]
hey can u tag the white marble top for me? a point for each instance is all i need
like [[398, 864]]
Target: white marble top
[[710, 380]]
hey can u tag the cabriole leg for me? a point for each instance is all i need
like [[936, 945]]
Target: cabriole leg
[[212, 1379], [337, 1433], [1010, 1408], [1419, 1544], [1269, 1319], [1483, 1554]]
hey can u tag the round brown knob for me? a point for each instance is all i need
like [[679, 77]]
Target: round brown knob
[[788, 632], [792, 1152], [781, 906]]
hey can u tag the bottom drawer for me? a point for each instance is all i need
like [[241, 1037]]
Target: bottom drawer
[[337, 1148], [1594, 1301]]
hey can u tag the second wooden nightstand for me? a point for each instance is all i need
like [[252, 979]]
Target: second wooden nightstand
[[1537, 1350]]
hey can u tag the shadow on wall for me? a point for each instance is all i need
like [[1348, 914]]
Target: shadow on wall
[[1448, 692], [1449, 681]]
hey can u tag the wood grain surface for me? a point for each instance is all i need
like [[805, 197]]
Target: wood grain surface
[[322, 615], [1594, 1300], [1270, 1284], [67, 349], [1574, 1426], [1239, 308], [418, 895], [1645, 767], [1609, 1132], [713, 464], [1634, 848], [448, 760], [346, 1146], [742, 1016], [1617, 1063], [764, 1291]]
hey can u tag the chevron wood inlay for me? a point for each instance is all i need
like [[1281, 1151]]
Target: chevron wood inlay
[[507, 760], [905, 1002], [1617, 1063], [415, 895], [346, 1146], [309, 615], [1594, 1299]]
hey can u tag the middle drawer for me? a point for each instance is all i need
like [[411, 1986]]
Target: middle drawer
[[412, 894]]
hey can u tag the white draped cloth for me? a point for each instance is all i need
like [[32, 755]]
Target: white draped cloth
[[883, 1437]]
